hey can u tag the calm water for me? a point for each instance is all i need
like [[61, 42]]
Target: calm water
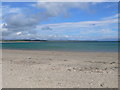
[[64, 46]]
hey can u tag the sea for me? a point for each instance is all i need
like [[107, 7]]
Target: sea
[[77, 46]]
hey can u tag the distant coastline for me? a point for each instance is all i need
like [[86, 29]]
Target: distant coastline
[[3, 41], [9, 41]]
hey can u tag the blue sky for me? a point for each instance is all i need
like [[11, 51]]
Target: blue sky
[[60, 21]]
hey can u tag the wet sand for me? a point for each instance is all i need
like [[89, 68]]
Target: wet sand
[[54, 69]]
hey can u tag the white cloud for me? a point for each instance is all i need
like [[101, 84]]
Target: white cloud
[[18, 33], [7, 9], [55, 8], [84, 24], [112, 17]]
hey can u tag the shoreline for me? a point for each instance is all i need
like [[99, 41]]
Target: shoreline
[[64, 51], [53, 69]]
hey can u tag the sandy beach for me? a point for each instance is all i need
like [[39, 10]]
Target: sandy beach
[[58, 69], [0, 69]]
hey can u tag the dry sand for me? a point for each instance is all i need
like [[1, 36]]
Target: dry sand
[[0, 69], [53, 69]]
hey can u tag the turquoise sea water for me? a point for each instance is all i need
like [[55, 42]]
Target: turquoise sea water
[[64, 46]]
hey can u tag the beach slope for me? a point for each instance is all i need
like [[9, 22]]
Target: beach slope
[[54, 69]]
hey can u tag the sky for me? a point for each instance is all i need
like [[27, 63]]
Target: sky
[[60, 20]]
